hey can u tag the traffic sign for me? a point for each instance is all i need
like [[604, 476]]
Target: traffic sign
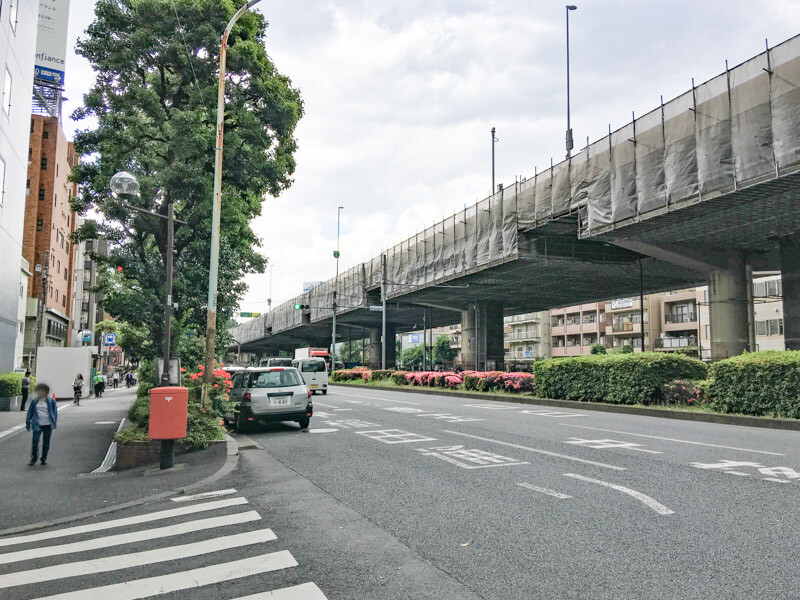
[[109, 339], [249, 314], [377, 308]]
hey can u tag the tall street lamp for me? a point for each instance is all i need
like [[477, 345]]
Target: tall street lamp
[[213, 268], [269, 300], [335, 288], [570, 145], [494, 141]]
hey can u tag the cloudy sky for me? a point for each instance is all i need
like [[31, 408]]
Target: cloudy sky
[[401, 95]]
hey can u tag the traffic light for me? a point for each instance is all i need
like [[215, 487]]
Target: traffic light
[[301, 306]]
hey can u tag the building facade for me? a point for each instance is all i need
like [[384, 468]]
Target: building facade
[[574, 329], [527, 339], [87, 305], [49, 222], [18, 23]]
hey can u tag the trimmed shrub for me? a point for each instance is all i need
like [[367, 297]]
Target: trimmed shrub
[[758, 383], [11, 384], [358, 374], [615, 378], [598, 349], [399, 378], [684, 393], [381, 374]]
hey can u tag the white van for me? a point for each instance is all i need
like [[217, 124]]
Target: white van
[[314, 371]]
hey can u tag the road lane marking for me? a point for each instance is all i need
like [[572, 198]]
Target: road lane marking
[[135, 559], [204, 495], [306, 591], [491, 407], [606, 443], [542, 490], [781, 474], [537, 451], [373, 398], [110, 541], [8, 433], [349, 424], [324, 430], [656, 437], [124, 522], [184, 580], [318, 403], [551, 413], [644, 499], [470, 458], [395, 436], [105, 422]]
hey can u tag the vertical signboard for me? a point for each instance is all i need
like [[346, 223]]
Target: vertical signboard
[[51, 41]]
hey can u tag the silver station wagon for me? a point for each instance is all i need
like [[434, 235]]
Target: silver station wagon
[[268, 394]]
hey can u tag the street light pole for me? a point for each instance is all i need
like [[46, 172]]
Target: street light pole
[[213, 268], [494, 140], [168, 303], [570, 144], [45, 270], [335, 288], [269, 300]]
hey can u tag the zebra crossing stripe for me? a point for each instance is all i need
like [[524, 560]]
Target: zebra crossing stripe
[[306, 591], [155, 516], [184, 580], [135, 559], [129, 538], [204, 495]]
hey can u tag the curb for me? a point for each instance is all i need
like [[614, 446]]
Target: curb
[[681, 415], [231, 460]]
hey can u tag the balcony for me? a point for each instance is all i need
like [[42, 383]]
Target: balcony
[[677, 318], [673, 343], [519, 336]]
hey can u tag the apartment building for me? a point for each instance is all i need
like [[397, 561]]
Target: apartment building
[[18, 21], [624, 320], [527, 338], [87, 306], [573, 329], [49, 222]]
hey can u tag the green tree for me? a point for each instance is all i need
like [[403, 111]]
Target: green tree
[[412, 357], [598, 349], [442, 352], [154, 105]]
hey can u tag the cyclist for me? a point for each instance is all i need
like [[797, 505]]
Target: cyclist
[[77, 387]]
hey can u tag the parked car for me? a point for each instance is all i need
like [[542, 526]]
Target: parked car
[[276, 362], [268, 394], [314, 372]]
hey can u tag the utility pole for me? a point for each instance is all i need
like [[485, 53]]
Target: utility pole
[[494, 140], [45, 269], [213, 268], [269, 300], [569, 127], [641, 302], [335, 288], [168, 300], [383, 311]]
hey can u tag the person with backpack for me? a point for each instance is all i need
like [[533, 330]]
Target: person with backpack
[[41, 420]]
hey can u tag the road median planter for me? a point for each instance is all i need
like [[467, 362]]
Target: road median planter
[[140, 453], [10, 403]]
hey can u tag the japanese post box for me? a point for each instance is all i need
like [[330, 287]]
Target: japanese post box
[[168, 408]]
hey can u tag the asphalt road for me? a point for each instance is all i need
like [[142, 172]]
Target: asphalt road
[[396, 496]]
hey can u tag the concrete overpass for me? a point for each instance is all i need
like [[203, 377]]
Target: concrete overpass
[[702, 190]]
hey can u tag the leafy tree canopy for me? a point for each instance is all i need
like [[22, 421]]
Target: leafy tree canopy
[[154, 106], [442, 352]]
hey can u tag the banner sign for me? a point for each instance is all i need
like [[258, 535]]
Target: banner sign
[[51, 41]]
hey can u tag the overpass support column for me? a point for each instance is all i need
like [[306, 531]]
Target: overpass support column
[[729, 310], [375, 350], [790, 282], [482, 341]]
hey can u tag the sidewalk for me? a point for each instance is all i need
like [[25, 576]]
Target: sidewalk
[[79, 444]]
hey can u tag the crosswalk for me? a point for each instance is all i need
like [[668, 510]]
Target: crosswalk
[[194, 548]]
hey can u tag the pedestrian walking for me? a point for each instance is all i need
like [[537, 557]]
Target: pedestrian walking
[[26, 386], [98, 384], [41, 420], [77, 388], [115, 379]]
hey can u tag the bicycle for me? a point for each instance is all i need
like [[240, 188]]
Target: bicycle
[[78, 394]]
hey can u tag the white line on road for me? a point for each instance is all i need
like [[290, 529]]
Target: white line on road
[[306, 591], [318, 403], [204, 495], [184, 580], [542, 490], [666, 439], [13, 430], [111, 456], [537, 451], [110, 541], [135, 559], [104, 422], [374, 398], [646, 500], [124, 522]]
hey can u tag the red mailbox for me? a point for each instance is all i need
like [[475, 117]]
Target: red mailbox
[[168, 408]]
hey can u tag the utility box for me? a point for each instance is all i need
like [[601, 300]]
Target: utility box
[[58, 367], [168, 409]]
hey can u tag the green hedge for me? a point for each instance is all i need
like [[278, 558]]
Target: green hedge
[[614, 378], [759, 383], [381, 374], [11, 384]]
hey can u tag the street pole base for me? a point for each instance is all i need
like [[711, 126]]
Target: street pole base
[[167, 454]]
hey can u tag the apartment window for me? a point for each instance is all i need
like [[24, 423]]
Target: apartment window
[[41, 193], [7, 93], [45, 134], [66, 270], [64, 300], [39, 224], [43, 164], [13, 11], [22, 327], [58, 266]]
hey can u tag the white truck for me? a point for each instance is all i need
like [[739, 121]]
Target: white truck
[[58, 367], [310, 352]]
